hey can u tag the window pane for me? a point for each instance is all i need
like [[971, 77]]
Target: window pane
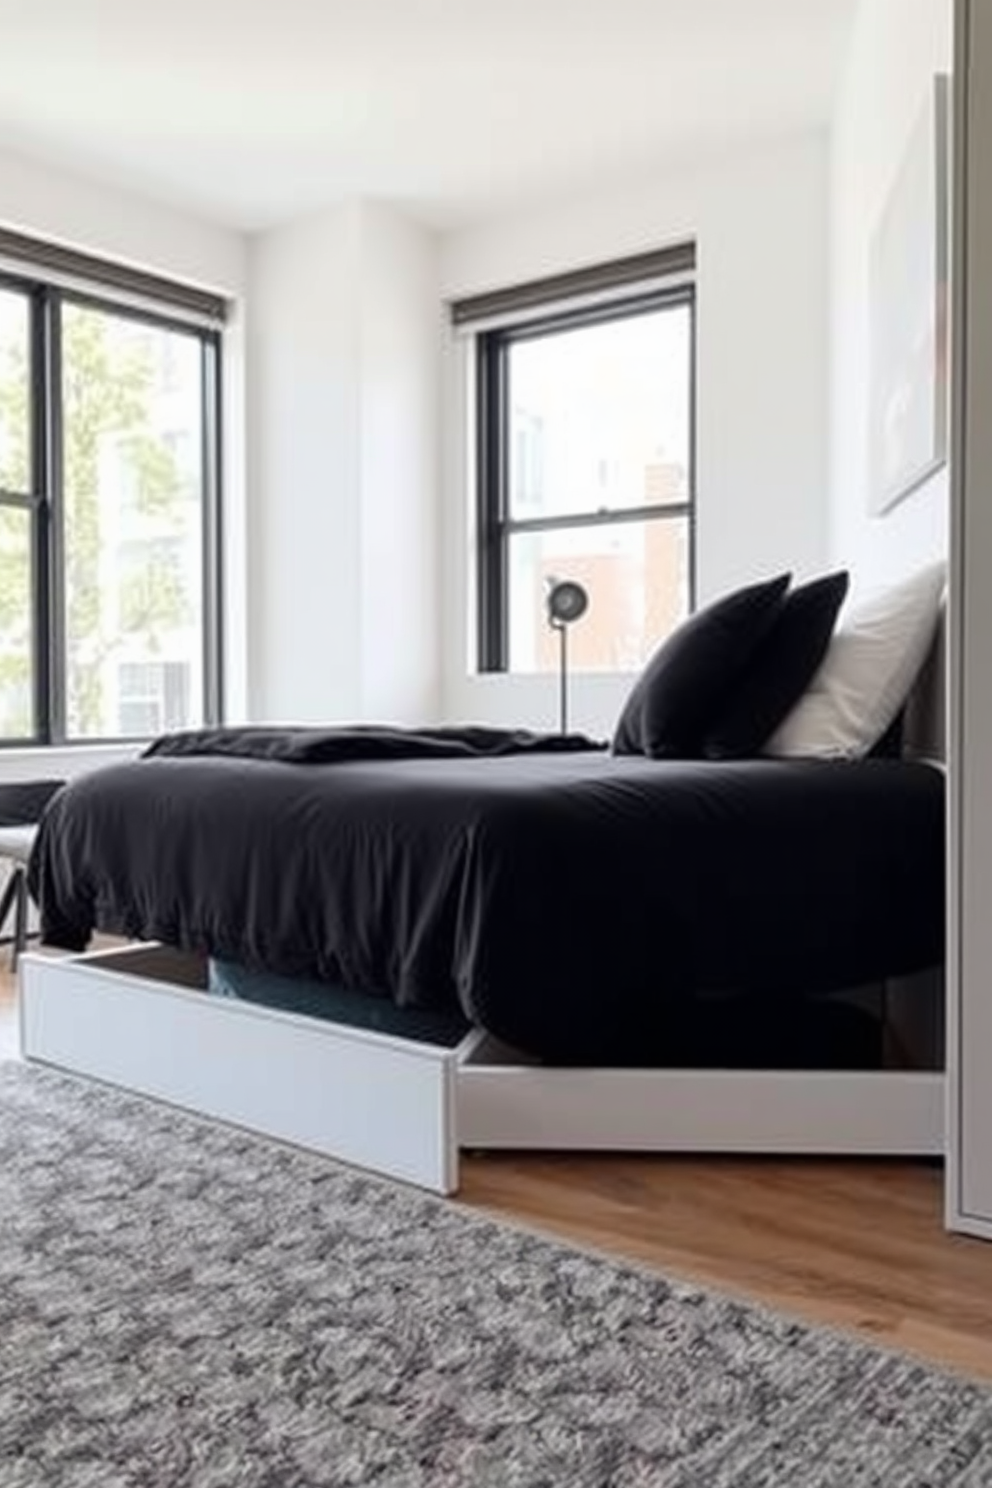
[[133, 447], [15, 379], [637, 575], [600, 416], [16, 661]]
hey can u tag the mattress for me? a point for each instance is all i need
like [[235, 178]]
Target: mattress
[[574, 904]]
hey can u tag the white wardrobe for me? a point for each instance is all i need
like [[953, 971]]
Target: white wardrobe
[[969, 1129]]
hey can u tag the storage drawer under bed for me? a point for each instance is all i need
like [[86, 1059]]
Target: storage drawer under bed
[[141, 1017]]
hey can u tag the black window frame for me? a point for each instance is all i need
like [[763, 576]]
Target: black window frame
[[45, 502], [495, 526]]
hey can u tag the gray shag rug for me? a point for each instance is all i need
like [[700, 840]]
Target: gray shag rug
[[184, 1304]]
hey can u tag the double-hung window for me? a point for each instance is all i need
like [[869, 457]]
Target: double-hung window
[[584, 471], [109, 500]]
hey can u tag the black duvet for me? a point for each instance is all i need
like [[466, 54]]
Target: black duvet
[[555, 893]]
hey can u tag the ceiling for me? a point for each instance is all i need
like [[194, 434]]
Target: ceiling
[[250, 112]]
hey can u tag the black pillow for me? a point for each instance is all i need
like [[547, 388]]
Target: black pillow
[[689, 675], [780, 670]]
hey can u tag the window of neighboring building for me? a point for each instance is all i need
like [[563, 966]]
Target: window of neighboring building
[[109, 491], [585, 471], [153, 697]]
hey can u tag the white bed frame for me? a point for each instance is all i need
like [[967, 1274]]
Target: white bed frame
[[141, 1018]]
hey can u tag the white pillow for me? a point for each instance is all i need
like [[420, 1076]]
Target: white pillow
[[868, 672]]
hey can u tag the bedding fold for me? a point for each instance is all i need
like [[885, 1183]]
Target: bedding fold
[[326, 746]]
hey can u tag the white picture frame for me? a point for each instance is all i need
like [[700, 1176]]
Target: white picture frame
[[910, 303]]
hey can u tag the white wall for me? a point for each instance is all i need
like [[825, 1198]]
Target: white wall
[[51, 204], [343, 367], [118, 225], [761, 224], [897, 47], [400, 371], [303, 635]]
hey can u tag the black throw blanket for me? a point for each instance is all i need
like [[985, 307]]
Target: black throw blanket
[[328, 746]]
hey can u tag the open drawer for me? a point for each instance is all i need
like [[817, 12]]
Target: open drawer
[[141, 1017]]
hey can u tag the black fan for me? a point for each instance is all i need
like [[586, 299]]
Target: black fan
[[566, 602]]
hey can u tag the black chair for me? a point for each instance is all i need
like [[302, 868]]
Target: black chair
[[22, 805]]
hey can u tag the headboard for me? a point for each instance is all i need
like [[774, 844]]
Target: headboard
[[925, 724]]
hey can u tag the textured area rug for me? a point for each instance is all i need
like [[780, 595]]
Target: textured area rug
[[183, 1304]]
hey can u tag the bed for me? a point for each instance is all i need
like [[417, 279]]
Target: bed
[[583, 908], [572, 932]]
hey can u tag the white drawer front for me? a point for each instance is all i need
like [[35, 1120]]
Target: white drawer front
[[367, 1099]]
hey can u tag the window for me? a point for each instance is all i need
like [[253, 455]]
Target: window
[[17, 555], [153, 697], [108, 505], [585, 472]]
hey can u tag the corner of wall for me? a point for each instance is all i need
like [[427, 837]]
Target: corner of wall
[[400, 369], [344, 368]]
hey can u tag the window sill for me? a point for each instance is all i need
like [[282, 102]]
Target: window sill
[[62, 761], [575, 679], [71, 746]]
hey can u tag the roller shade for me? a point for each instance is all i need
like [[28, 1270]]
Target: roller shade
[[47, 259], [618, 274]]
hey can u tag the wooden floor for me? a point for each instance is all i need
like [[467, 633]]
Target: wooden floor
[[860, 1245]]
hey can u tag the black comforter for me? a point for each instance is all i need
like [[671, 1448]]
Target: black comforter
[[552, 891]]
